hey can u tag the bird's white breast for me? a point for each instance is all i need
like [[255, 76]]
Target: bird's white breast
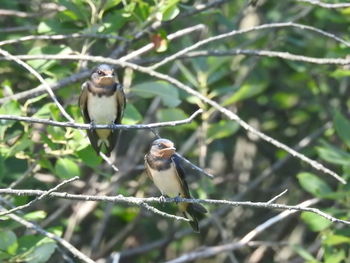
[[102, 110], [167, 181]]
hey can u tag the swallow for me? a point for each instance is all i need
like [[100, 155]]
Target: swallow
[[163, 167], [102, 101]]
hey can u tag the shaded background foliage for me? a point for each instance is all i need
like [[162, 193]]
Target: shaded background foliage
[[286, 99]]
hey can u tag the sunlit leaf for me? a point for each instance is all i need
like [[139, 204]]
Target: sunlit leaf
[[315, 222], [313, 184], [65, 168]]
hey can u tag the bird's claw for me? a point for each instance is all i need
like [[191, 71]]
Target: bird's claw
[[92, 125], [177, 199], [162, 199]]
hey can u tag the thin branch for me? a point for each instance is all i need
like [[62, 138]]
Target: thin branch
[[8, 12], [17, 29], [243, 31], [276, 197], [140, 201], [212, 251], [40, 78], [60, 240], [173, 36], [325, 5], [100, 126], [45, 194], [267, 53], [231, 115], [60, 37]]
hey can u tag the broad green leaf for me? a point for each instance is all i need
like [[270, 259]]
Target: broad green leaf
[[170, 13], [304, 253], [36, 249], [131, 115], [245, 92], [340, 73], [42, 252], [89, 157], [313, 184], [334, 256], [8, 241], [21, 145], [35, 215], [333, 154], [167, 92], [65, 168], [315, 222], [171, 115], [221, 129], [334, 240], [342, 127]]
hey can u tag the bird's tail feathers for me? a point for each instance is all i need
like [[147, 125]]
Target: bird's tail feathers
[[194, 212]]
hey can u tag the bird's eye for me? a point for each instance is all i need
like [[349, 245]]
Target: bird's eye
[[160, 145], [99, 72]]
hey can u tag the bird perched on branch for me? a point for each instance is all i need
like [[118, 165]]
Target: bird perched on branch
[[102, 101], [163, 167]]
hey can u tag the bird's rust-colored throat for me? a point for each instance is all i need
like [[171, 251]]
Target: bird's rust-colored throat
[[167, 152]]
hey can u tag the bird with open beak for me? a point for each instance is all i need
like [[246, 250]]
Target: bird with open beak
[[163, 167], [102, 101]]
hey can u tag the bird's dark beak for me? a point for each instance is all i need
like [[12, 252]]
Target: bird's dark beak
[[167, 152], [107, 79]]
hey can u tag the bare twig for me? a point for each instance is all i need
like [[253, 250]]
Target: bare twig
[[276, 197], [59, 37], [99, 126], [60, 240], [325, 5], [141, 201], [173, 36], [268, 53], [212, 251], [45, 194], [243, 31], [8, 12], [17, 29]]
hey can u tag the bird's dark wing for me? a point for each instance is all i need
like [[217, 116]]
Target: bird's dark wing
[[181, 175], [148, 172], [83, 102], [121, 102]]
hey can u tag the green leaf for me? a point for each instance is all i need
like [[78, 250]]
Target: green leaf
[[342, 127], [36, 249], [245, 92], [35, 216], [65, 168], [333, 154], [167, 92], [8, 241], [334, 256], [334, 240], [313, 184], [221, 130], [88, 156], [315, 222], [304, 253], [131, 115]]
